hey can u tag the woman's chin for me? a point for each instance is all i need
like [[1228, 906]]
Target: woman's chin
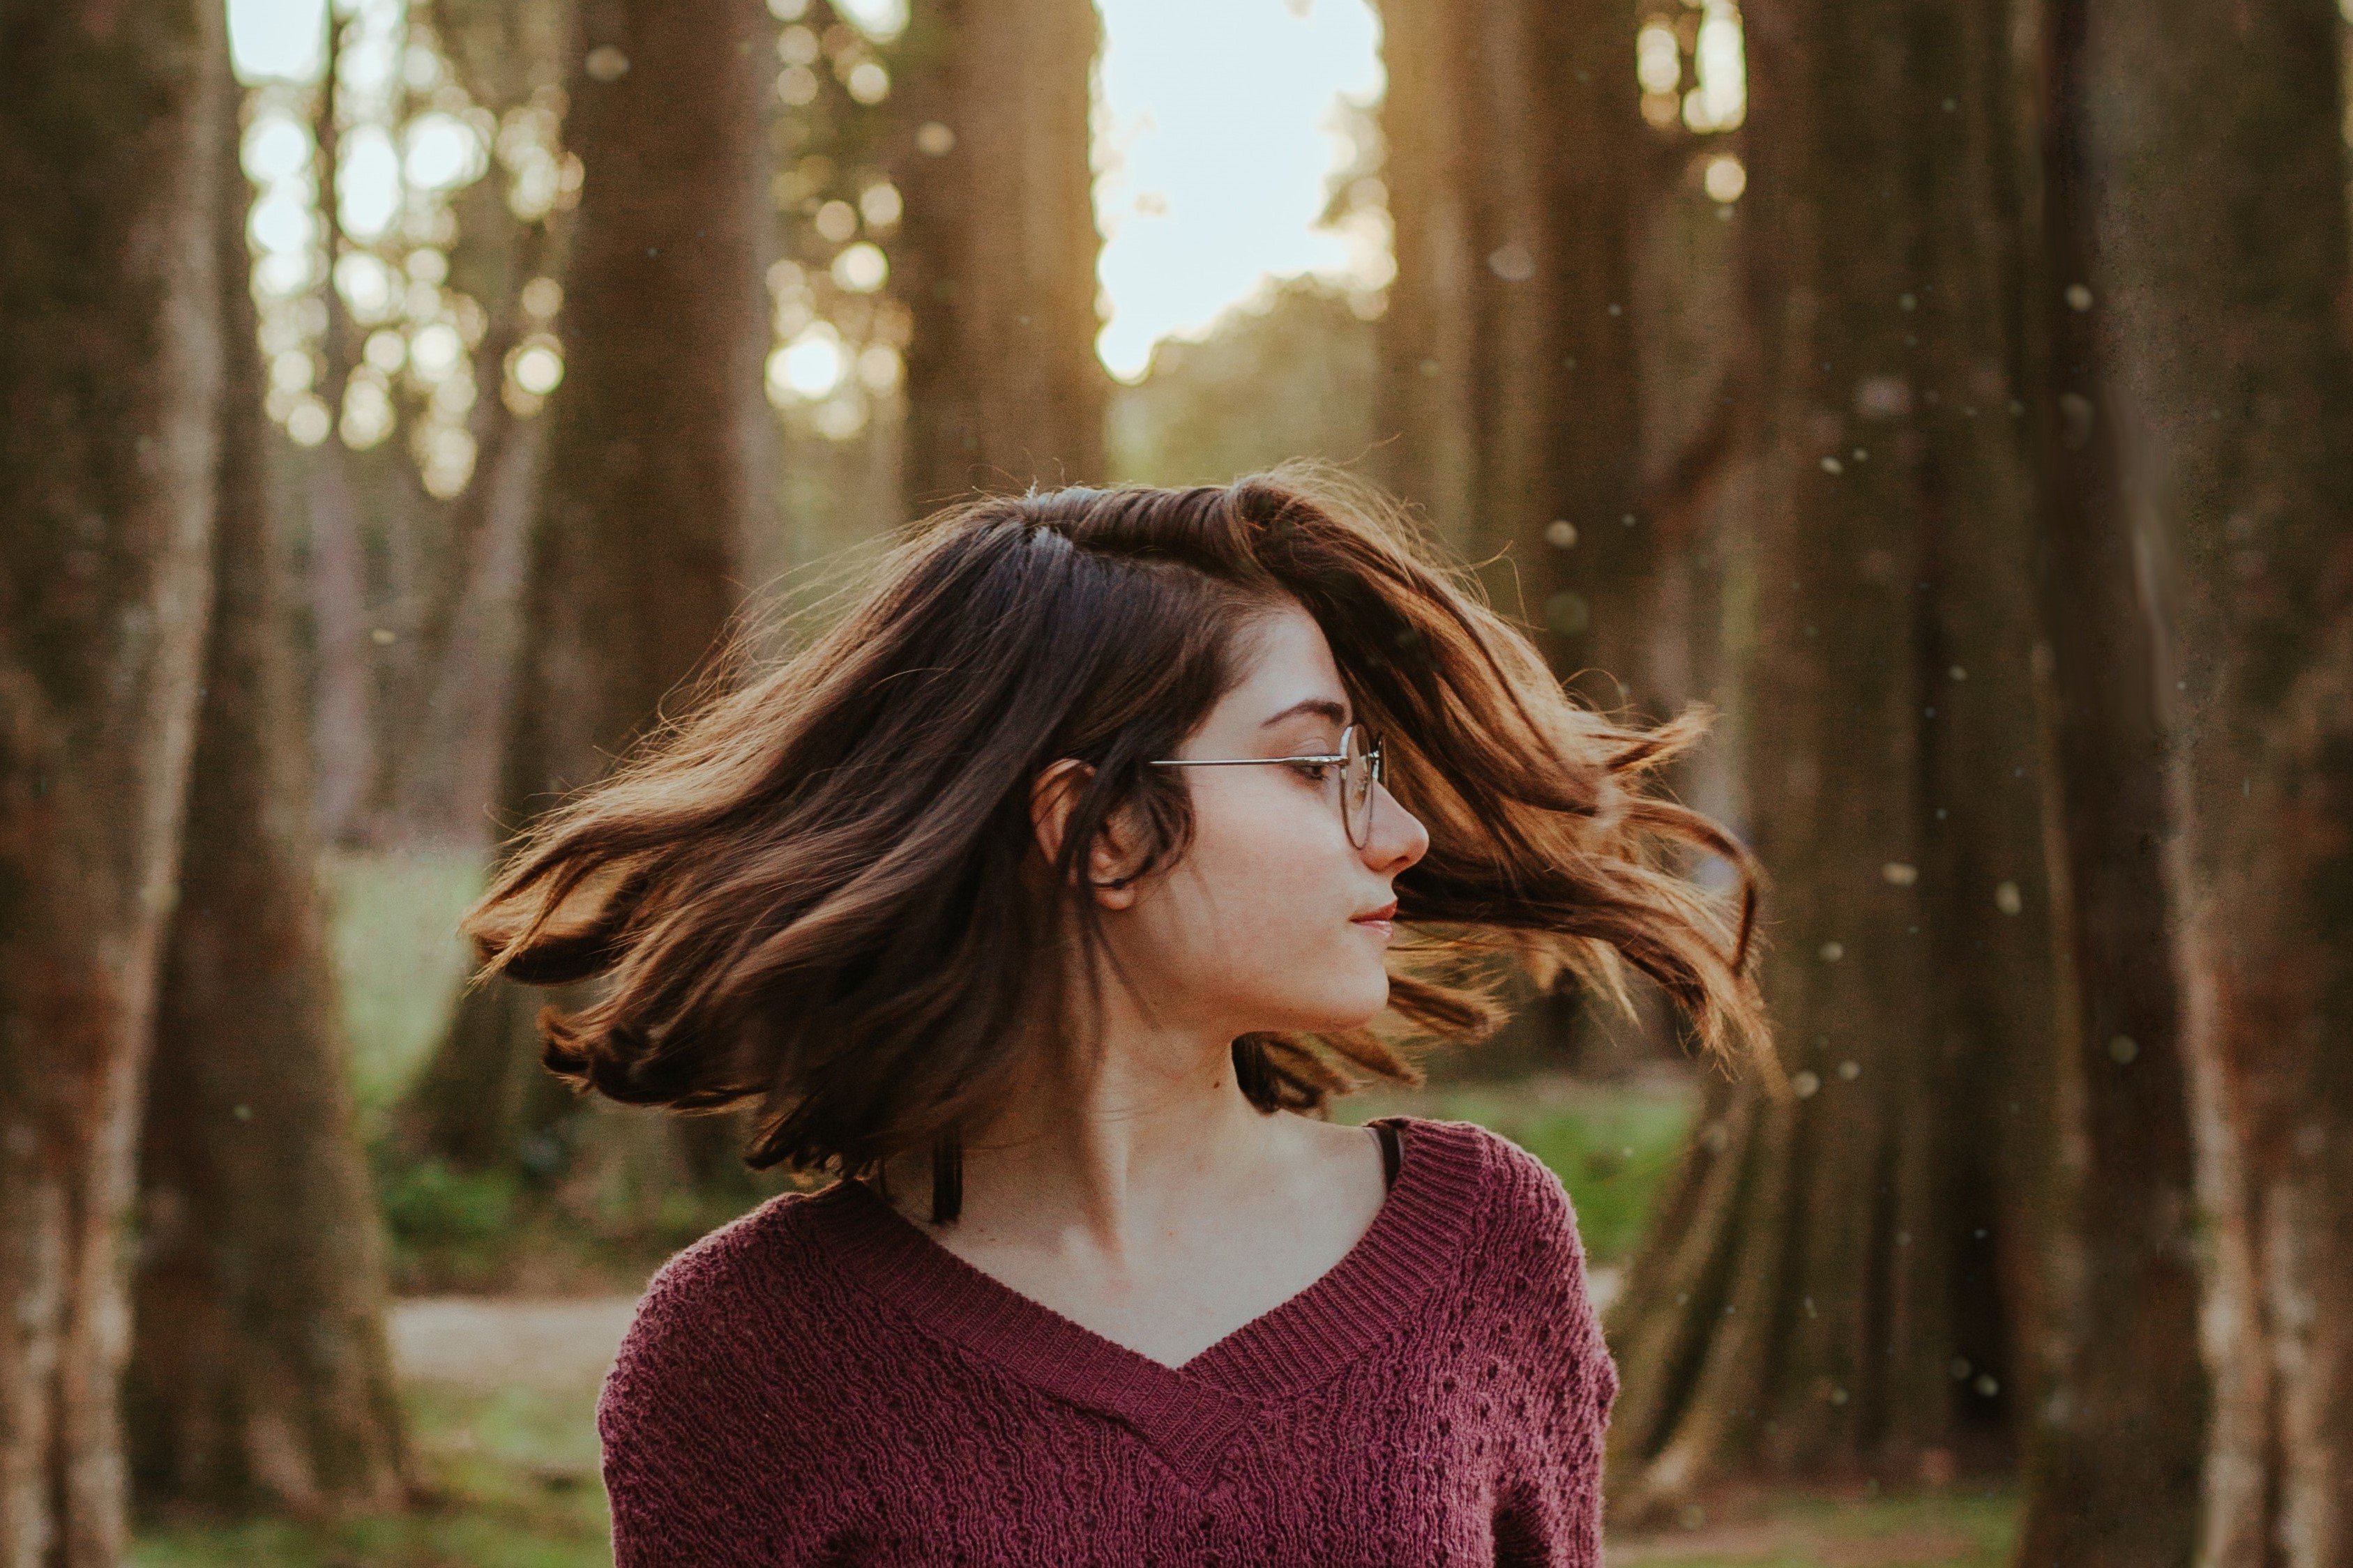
[[1337, 1013]]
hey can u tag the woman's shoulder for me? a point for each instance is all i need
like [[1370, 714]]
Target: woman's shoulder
[[1520, 1201], [742, 1292]]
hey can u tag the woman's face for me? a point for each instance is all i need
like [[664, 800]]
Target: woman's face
[[1270, 920]]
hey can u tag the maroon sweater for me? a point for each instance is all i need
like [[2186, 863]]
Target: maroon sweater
[[822, 1383]]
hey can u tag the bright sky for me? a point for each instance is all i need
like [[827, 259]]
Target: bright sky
[[1215, 137]]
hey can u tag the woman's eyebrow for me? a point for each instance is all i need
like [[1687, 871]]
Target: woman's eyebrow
[[1323, 706]]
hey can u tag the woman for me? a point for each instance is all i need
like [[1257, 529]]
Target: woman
[[1044, 901]]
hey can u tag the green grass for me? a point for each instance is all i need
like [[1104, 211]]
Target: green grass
[[511, 1482], [1969, 1526], [1612, 1144]]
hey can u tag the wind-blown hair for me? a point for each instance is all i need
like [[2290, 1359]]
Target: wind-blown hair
[[821, 892]]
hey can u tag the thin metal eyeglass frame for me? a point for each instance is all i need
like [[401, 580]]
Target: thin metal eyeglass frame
[[1339, 759]]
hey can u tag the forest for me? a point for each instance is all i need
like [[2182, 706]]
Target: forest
[[1953, 399]]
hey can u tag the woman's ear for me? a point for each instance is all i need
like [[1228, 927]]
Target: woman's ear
[[1053, 796]]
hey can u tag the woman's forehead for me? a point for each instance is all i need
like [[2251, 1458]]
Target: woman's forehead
[[1286, 668]]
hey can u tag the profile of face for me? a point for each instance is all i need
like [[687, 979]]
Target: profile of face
[[1271, 918]]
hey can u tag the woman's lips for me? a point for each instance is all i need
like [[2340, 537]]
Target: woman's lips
[[1382, 920]]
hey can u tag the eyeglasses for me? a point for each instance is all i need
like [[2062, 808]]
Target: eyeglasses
[[1358, 760]]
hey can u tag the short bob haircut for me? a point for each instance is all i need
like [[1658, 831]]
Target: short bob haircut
[[821, 892]]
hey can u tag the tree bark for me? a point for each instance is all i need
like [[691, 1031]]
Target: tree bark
[[2113, 1457], [2221, 231], [997, 256], [658, 468], [112, 119], [1518, 164], [1838, 1280], [259, 1374]]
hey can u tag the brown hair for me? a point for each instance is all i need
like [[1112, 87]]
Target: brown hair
[[821, 890]]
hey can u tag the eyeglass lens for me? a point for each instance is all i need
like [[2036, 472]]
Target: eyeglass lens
[[1356, 788]]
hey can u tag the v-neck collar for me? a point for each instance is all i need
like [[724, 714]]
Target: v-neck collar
[[1191, 1414]]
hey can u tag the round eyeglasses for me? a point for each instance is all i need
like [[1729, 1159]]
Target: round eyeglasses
[[1358, 761]]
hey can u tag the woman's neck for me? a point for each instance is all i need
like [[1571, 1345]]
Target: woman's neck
[[1097, 1150]]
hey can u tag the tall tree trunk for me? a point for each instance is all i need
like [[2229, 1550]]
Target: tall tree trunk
[[259, 1372], [2113, 1457], [1517, 162], [997, 256], [1824, 1292], [658, 467], [112, 119], [1509, 397], [1428, 364], [2223, 233]]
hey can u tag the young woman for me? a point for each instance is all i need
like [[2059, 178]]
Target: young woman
[[1044, 901]]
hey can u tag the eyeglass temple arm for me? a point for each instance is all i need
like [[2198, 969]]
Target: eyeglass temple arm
[[1239, 761]]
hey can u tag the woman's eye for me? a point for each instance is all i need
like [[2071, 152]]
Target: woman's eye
[[1318, 772]]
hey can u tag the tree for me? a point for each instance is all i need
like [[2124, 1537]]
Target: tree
[[997, 260], [1516, 163], [658, 470], [2221, 234], [1510, 398], [111, 122], [2113, 1457], [1824, 1290], [1291, 378], [259, 1373]]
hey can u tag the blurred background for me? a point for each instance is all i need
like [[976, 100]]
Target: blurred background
[[403, 397]]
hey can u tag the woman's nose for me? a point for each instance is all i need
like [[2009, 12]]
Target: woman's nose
[[1398, 838]]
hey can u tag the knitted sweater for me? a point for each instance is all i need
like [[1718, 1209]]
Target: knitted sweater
[[822, 1383]]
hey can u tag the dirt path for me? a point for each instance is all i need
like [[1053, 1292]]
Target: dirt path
[[486, 1343]]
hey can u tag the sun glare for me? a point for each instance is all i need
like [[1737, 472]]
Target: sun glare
[[1219, 127]]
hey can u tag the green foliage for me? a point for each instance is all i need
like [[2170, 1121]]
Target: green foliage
[[427, 1203], [1290, 375]]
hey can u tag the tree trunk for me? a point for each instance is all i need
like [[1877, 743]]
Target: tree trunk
[[342, 680], [997, 256], [2113, 1457], [2223, 233], [112, 119], [259, 1372], [1835, 1284], [1509, 399], [1517, 164], [658, 468]]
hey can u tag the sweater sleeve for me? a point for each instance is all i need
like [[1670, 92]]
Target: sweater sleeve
[[700, 1432], [1548, 1504]]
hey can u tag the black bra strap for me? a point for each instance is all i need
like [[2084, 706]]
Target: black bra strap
[[1392, 1150]]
